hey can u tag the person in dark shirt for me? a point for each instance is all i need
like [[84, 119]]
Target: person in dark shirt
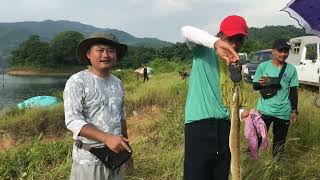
[[145, 74]]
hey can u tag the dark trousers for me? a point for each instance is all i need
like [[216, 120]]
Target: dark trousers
[[207, 153], [145, 78], [280, 131]]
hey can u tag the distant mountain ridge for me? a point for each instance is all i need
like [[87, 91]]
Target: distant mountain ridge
[[12, 34]]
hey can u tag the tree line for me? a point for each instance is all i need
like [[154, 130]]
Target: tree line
[[60, 52]]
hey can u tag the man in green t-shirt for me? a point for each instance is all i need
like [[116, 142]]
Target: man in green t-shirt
[[207, 122], [281, 109]]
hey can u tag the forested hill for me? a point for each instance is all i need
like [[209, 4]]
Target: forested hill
[[262, 38]]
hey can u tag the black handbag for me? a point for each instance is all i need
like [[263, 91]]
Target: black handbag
[[109, 158], [271, 89]]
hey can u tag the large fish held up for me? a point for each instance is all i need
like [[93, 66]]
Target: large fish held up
[[234, 137]]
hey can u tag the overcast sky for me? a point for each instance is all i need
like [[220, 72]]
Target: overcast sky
[[148, 18]]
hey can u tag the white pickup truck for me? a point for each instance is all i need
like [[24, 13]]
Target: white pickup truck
[[305, 55]]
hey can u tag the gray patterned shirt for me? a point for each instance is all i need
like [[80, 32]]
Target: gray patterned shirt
[[89, 99]]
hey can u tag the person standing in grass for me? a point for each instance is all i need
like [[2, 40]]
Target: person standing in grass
[[145, 74], [94, 108], [281, 109], [207, 121]]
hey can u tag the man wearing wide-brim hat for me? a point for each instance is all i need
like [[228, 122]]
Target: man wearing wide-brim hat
[[100, 38], [94, 108]]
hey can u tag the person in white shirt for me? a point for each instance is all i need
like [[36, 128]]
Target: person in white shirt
[[94, 108]]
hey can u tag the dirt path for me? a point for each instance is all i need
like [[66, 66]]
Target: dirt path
[[6, 142], [142, 124]]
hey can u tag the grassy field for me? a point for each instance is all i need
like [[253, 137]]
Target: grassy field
[[35, 145]]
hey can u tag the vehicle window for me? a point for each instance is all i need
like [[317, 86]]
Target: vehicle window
[[296, 48], [311, 52], [261, 57]]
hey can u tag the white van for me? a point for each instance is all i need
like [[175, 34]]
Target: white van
[[305, 55]]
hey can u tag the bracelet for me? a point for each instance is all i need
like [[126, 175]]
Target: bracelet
[[295, 111]]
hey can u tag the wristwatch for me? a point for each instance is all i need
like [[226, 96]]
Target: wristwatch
[[295, 111]]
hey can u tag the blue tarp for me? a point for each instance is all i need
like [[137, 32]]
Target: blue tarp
[[39, 101]]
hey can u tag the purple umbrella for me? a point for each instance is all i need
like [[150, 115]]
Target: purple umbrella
[[307, 13]]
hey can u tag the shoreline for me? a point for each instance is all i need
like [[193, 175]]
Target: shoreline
[[34, 73], [31, 71]]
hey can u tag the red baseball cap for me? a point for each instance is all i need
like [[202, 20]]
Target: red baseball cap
[[233, 25]]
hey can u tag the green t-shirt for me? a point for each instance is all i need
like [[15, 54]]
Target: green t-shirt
[[279, 105], [204, 95]]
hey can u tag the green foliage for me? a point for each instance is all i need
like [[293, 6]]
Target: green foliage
[[64, 47], [251, 46], [263, 38], [177, 51], [32, 52], [125, 75], [138, 56], [61, 52], [162, 65]]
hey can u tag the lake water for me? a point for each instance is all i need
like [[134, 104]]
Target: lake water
[[14, 89]]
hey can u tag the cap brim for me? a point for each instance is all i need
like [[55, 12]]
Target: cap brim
[[233, 33], [282, 47], [85, 44]]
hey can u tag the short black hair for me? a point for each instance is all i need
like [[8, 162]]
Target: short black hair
[[281, 43]]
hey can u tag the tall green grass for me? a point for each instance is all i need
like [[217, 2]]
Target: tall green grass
[[158, 150], [34, 160], [32, 122]]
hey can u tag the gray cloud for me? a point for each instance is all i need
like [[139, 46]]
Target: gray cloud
[[148, 18]]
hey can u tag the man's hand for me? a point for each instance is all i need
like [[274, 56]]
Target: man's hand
[[129, 166], [262, 81], [226, 52], [293, 119], [244, 115], [116, 143]]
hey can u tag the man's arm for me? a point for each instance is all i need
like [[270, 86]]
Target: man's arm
[[115, 143], [293, 96], [293, 93], [196, 36], [76, 122]]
